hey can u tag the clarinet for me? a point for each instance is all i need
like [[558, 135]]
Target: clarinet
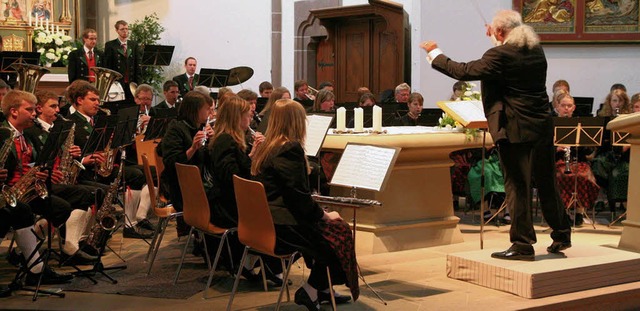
[[567, 160]]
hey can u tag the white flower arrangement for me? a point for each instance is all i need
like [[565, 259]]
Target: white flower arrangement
[[52, 46], [446, 122]]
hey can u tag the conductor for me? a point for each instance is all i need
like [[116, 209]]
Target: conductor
[[513, 75]]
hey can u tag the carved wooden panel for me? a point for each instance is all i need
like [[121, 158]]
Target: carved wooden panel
[[353, 59], [325, 62]]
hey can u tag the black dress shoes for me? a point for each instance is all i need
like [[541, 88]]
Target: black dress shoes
[[49, 277], [514, 254], [146, 224], [303, 299], [5, 291], [326, 297], [79, 258], [136, 232], [557, 247]]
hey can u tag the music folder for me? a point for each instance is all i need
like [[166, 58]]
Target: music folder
[[213, 77], [317, 127], [10, 58], [157, 55], [469, 113]]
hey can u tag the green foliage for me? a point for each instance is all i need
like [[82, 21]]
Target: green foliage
[[147, 32]]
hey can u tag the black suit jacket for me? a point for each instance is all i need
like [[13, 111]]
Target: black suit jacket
[[83, 129], [514, 94], [78, 67], [115, 59], [183, 82]]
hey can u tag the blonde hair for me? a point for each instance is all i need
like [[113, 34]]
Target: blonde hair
[[14, 99], [323, 96], [228, 121], [276, 94], [607, 110], [287, 123]]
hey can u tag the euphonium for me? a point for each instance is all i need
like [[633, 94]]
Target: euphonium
[[69, 166], [105, 168], [29, 76], [26, 189], [106, 219], [104, 78]]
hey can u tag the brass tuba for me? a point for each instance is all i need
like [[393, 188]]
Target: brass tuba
[[29, 76], [104, 79]]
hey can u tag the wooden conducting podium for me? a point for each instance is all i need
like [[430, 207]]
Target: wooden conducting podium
[[417, 208], [631, 231]]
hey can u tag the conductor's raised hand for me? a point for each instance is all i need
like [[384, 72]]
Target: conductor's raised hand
[[429, 46]]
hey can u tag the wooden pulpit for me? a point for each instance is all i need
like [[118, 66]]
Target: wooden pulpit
[[631, 231]]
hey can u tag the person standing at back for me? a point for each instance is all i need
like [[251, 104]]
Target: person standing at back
[[82, 60], [513, 75], [188, 80], [122, 55]]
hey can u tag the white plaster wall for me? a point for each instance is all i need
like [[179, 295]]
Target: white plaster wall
[[230, 33]]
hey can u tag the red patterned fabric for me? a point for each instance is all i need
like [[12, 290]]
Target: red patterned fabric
[[459, 171], [339, 235], [587, 187]]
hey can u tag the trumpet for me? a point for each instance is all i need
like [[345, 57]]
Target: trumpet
[[311, 93]]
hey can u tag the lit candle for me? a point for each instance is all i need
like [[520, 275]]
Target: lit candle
[[341, 124], [377, 118], [358, 120]]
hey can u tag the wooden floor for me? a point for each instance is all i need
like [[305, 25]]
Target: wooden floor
[[408, 280]]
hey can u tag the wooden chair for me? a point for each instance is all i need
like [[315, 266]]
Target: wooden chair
[[196, 213], [257, 231], [165, 214], [147, 147]]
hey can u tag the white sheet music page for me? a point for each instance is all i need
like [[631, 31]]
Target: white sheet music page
[[364, 166], [469, 113], [317, 127]]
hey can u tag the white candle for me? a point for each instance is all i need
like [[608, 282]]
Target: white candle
[[36, 20], [46, 27], [341, 124], [377, 118], [29, 19], [58, 28], [358, 120]]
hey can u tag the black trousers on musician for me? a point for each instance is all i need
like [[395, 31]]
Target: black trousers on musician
[[17, 217], [521, 164]]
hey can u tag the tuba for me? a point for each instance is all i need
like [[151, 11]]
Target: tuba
[[29, 76], [104, 79]]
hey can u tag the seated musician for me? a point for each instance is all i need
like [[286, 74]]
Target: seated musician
[[265, 88], [171, 93], [183, 143], [578, 171], [67, 204], [323, 238], [230, 155], [278, 93], [86, 100], [414, 104], [252, 98]]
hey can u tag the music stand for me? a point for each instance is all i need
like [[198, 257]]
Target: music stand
[[159, 123], [578, 132], [213, 77], [125, 131], [157, 55], [115, 106], [23, 57], [364, 167]]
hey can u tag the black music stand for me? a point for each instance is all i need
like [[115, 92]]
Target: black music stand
[[23, 57], [115, 106], [125, 130], [159, 123], [354, 173], [157, 55], [578, 132], [213, 77]]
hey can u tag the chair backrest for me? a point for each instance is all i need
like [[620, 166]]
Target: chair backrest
[[145, 147], [159, 163], [255, 225], [194, 200], [152, 190]]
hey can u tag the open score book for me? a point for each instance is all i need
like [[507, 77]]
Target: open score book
[[469, 113]]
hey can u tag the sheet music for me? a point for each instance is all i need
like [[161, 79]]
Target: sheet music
[[317, 127], [364, 166], [469, 112]]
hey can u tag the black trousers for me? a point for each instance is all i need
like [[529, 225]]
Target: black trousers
[[521, 164], [17, 217]]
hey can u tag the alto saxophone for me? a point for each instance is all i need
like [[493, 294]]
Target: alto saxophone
[[105, 168], [106, 218], [26, 189], [69, 166], [4, 154]]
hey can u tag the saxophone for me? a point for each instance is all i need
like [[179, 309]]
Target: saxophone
[[4, 154], [105, 168], [69, 166], [106, 219], [26, 189]]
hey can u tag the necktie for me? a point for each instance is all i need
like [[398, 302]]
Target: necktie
[[124, 49], [90, 54], [91, 121], [191, 83]]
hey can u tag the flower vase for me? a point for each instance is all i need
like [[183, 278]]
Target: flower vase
[[47, 64]]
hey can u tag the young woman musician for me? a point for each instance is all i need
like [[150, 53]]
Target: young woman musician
[[323, 238], [182, 143]]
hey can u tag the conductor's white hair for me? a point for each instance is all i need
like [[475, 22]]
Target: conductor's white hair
[[518, 33]]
